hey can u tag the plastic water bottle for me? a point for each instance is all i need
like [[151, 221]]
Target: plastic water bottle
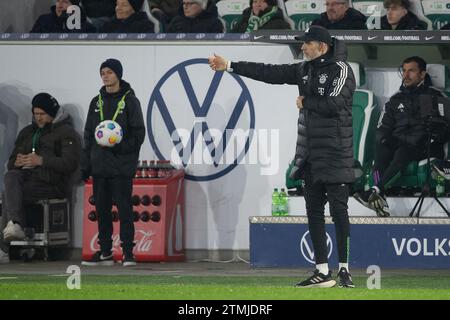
[[440, 186], [275, 202], [283, 208]]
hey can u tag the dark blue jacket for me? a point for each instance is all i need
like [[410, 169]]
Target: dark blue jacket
[[51, 23]]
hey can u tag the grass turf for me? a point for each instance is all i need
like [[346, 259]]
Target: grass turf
[[215, 288]]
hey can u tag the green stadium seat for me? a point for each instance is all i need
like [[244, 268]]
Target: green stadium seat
[[374, 10], [230, 11], [418, 9], [437, 11], [304, 12]]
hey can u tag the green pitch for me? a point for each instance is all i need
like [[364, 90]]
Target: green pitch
[[211, 288]]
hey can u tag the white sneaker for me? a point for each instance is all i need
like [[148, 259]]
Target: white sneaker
[[4, 257], [13, 232]]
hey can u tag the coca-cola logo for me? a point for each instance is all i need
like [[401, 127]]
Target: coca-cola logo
[[142, 238]]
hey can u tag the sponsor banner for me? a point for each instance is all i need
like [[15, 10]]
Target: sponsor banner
[[425, 246], [282, 36]]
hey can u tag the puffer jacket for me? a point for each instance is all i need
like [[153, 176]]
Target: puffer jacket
[[51, 23], [59, 146], [408, 22], [206, 22], [325, 134], [137, 23], [352, 20], [120, 160]]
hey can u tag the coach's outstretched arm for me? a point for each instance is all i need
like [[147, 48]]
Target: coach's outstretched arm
[[268, 73]]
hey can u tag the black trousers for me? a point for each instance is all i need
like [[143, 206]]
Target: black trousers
[[391, 158], [119, 189], [316, 196]]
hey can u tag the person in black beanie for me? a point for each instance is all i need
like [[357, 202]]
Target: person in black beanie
[[129, 19], [113, 168], [46, 153], [57, 20]]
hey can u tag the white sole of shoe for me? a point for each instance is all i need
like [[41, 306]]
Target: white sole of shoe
[[12, 237], [327, 284], [129, 264], [100, 263]]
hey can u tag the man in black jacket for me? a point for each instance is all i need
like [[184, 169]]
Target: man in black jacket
[[129, 19], [339, 16], [401, 136], [113, 168], [56, 20], [398, 17], [196, 16], [324, 154], [45, 155]]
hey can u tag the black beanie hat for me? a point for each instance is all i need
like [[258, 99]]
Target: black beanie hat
[[114, 65], [45, 102], [136, 4]]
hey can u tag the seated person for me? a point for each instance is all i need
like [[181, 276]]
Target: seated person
[[129, 19], [99, 11], [339, 16], [196, 16], [398, 17], [401, 136], [446, 27], [56, 20], [262, 14], [45, 155], [164, 10]]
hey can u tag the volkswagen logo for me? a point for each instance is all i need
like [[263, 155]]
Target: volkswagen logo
[[307, 250], [193, 111]]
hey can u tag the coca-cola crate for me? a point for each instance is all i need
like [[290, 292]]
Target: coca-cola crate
[[158, 208]]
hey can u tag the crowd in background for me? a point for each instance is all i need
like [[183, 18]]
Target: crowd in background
[[201, 16]]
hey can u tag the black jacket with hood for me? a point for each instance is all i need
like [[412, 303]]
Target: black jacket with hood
[[352, 20], [99, 8], [138, 22], [51, 23], [59, 146], [277, 22], [120, 160], [325, 134], [408, 22], [206, 22]]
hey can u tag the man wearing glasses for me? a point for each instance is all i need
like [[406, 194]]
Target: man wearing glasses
[[339, 16]]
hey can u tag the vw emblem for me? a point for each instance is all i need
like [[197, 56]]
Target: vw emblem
[[307, 250], [192, 112]]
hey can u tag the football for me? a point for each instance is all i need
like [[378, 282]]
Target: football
[[108, 133]]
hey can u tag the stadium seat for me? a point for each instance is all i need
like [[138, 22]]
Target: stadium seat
[[437, 11], [230, 11], [371, 9], [304, 12], [365, 118], [158, 25], [418, 10]]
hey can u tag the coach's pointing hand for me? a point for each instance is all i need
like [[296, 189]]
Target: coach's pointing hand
[[217, 63]]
